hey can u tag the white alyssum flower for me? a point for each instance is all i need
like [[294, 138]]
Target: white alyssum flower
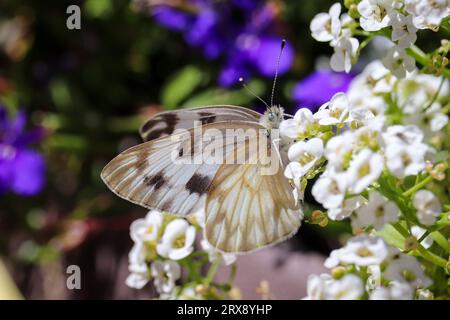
[[316, 286], [330, 189], [399, 62], [408, 135], [335, 111], [427, 206], [338, 149], [375, 14], [345, 50], [215, 255], [361, 250], [428, 14], [406, 269], [403, 30], [395, 291], [418, 232], [303, 124], [327, 26], [348, 207], [177, 241], [364, 169], [377, 212], [404, 160], [304, 156], [136, 280], [404, 151], [164, 274], [147, 229], [349, 287]]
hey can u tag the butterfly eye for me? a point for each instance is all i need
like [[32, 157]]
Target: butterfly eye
[[271, 116]]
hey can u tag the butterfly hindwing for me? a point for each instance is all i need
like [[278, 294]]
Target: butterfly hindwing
[[165, 123], [246, 210]]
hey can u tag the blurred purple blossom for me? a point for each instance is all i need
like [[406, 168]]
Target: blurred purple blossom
[[237, 31], [318, 87], [22, 170]]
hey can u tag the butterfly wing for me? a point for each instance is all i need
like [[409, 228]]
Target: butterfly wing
[[165, 123], [147, 174], [246, 210]]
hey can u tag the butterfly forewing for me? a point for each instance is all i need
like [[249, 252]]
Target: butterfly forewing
[[165, 123], [148, 175], [246, 210]]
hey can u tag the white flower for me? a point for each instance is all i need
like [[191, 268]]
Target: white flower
[[395, 291], [427, 206], [316, 286], [424, 294], [408, 135], [327, 26], [349, 205], [301, 125], [362, 250], [345, 50], [428, 13], [339, 149], [177, 240], [136, 258], [137, 266], [147, 229], [403, 30], [136, 280], [418, 232], [335, 111], [406, 269], [377, 212], [375, 14], [330, 189], [165, 273], [214, 255], [399, 62], [404, 160], [364, 169], [349, 287], [304, 156]]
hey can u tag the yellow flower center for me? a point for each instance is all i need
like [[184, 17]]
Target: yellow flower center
[[179, 242]]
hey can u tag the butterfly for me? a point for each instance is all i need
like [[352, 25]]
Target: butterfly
[[244, 209]]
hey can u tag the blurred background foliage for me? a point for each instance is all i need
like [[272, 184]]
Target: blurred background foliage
[[89, 90]]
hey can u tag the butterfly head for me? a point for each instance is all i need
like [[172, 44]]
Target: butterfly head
[[272, 117]]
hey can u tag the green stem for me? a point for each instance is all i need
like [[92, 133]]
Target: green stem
[[212, 271], [418, 186], [423, 59], [441, 240], [424, 253]]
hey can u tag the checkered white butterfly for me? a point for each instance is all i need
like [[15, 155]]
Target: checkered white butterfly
[[244, 209]]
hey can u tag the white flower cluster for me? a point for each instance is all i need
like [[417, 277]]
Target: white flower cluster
[[333, 27], [404, 17], [368, 268], [160, 241], [153, 236], [367, 145]]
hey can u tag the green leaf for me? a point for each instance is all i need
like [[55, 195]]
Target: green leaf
[[180, 86]]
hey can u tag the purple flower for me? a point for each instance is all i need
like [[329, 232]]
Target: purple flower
[[318, 87], [171, 18], [239, 32], [22, 170]]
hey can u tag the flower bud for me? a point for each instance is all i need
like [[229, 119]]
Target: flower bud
[[319, 218], [411, 243]]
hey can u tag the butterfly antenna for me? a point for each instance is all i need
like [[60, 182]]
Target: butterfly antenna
[[241, 80], [283, 44]]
